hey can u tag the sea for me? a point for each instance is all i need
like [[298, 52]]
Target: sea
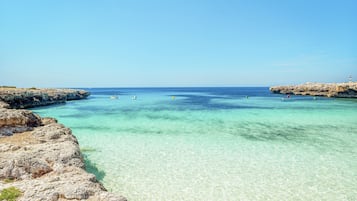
[[205, 144]]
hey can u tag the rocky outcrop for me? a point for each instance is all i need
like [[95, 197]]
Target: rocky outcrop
[[45, 163], [338, 90], [4, 105], [15, 121], [42, 158], [27, 98]]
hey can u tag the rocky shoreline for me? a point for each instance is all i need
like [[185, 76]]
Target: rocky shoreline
[[337, 90], [40, 157], [27, 98]]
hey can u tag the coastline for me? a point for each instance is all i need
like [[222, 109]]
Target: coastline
[[40, 157], [336, 90]]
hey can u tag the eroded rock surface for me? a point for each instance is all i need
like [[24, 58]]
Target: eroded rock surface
[[4, 105], [46, 164], [15, 121], [338, 90], [27, 98], [41, 157]]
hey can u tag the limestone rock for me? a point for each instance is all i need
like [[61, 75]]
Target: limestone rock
[[13, 121], [48, 120], [50, 168], [41, 156], [338, 90], [73, 184], [4, 105], [26, 98]]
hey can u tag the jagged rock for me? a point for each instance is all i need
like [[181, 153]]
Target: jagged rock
[[338, 90], [13, 121], [73, 184], [4, 105], [51, 153], [51, 168], [48, 120], [9, 130], [27, 98], [45, 162]]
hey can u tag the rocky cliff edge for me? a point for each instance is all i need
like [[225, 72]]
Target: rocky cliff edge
[[32, 97], [42, 159]]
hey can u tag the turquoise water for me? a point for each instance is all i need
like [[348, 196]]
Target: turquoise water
[[216, 143]]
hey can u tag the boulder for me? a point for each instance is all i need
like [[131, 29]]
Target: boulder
[[13, 121]]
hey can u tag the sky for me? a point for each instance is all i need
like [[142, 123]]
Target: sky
[[151, 43]]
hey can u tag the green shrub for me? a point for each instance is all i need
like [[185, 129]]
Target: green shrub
[[10, 194], [8, 180], [7, 87]]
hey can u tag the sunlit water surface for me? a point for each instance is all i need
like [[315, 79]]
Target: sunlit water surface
[[207, 144]]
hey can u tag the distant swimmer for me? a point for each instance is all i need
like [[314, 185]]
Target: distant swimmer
[[288, 96], [133, 98], [113, 97], [246, 97], [173, 97]]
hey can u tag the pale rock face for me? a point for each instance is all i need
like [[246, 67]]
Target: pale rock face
[[4, 105], [48, 120], [338, 90], [73, 184], [51, 167], [14, 121], [43, 159]]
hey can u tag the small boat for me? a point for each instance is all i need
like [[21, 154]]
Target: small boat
[[113, 97]]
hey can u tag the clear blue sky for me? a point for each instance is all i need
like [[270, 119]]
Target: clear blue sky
[[103, 43]]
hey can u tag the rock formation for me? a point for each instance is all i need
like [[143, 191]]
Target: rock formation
[[338, 90], [43, 159], [15, 121], [27, 98]]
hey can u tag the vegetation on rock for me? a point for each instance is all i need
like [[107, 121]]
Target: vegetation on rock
[[10, 194]]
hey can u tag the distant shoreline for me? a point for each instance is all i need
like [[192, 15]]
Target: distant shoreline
[[336, 90]]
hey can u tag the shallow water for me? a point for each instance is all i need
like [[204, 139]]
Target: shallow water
[[216, 143]]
